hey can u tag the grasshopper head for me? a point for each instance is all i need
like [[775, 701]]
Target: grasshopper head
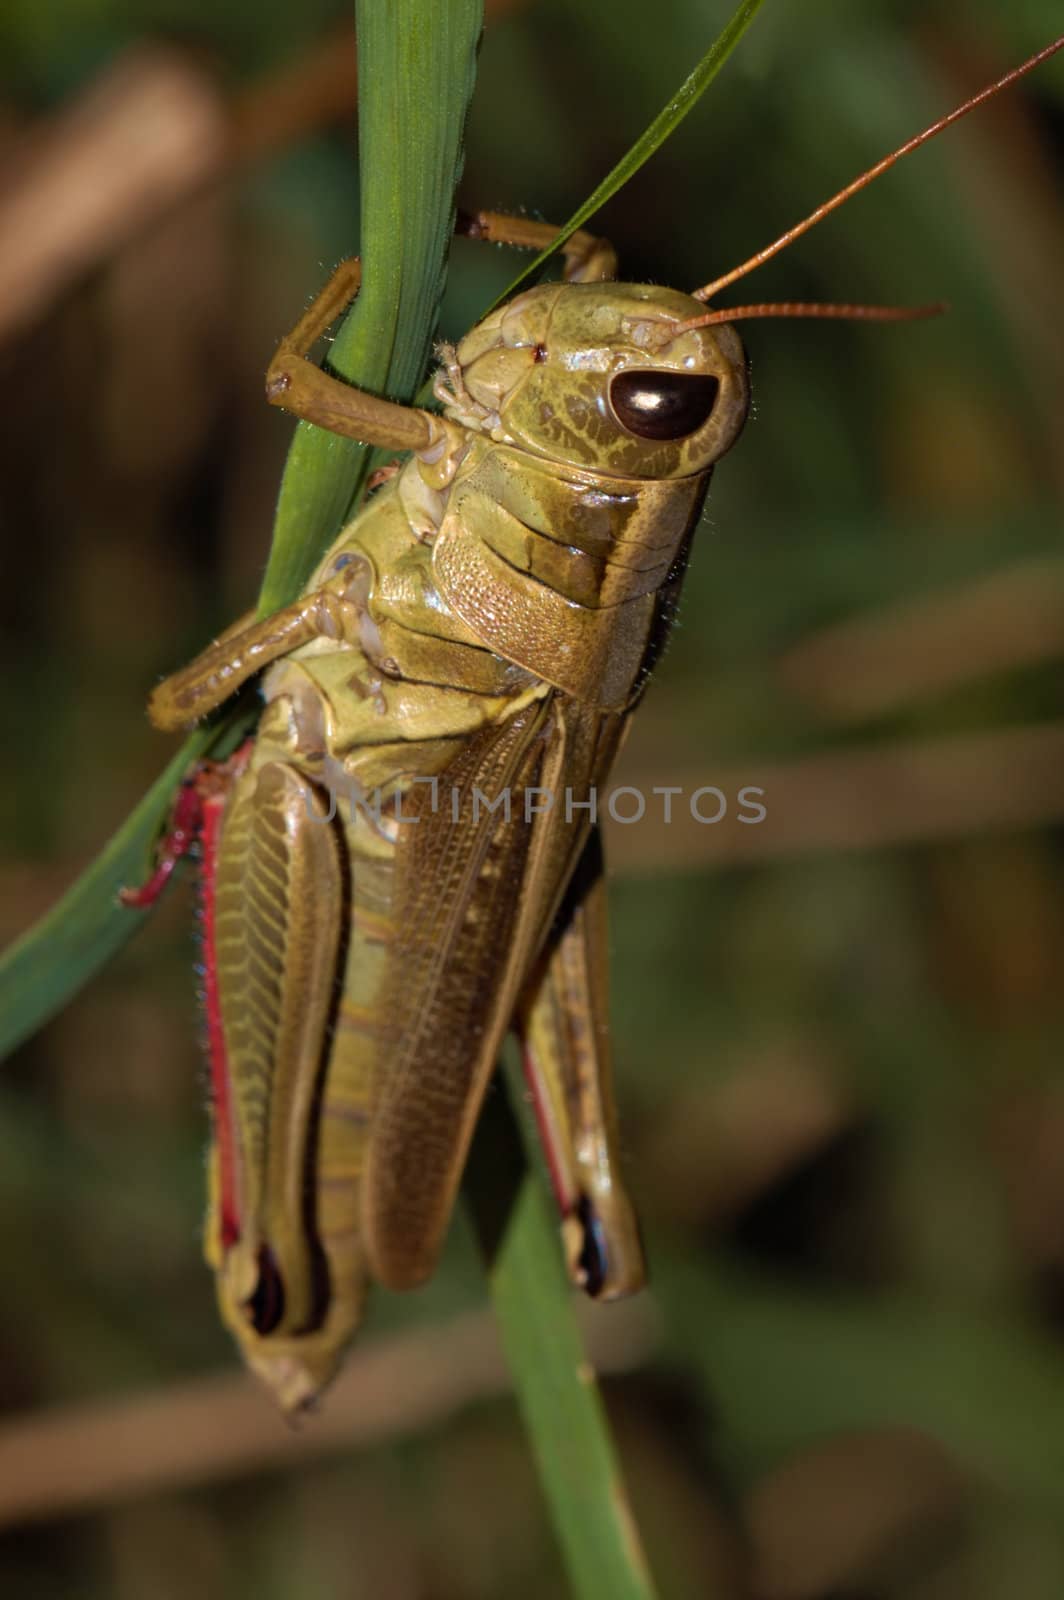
[[607, 377]]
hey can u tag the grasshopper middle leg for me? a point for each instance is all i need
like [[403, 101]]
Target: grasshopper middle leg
[[588, 258]]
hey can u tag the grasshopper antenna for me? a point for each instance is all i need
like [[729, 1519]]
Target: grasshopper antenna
[[855, 312], [820, 308]]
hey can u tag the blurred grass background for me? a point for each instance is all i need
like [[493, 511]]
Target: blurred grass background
[[839, 1033]]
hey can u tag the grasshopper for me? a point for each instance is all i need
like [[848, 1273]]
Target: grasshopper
[[461, 668]]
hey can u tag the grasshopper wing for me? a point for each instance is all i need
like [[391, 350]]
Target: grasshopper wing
[[476, 893]]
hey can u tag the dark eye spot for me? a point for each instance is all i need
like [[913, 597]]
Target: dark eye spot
[[662, 405], [265, 1307], [593, 1260]]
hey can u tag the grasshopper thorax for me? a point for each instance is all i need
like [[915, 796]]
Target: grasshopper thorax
[[604, 376]]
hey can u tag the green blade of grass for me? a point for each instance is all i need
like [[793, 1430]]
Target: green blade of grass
[[416, 66], [665, 123], [79, 935], [556, 1390]]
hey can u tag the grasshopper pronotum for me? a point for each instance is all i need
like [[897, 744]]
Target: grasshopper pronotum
[[468, 652]]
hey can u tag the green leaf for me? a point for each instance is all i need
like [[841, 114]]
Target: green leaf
[[417, 66], [556, 1391], [49, 964], [667, 120]]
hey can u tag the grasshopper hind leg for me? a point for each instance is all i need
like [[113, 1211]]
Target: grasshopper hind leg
[[283, 1235], [564, 1033]]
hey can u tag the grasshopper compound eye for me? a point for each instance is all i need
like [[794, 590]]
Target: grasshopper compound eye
[[663, 405]]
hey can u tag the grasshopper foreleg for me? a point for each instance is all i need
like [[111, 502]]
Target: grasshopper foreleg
[[295, 384]]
